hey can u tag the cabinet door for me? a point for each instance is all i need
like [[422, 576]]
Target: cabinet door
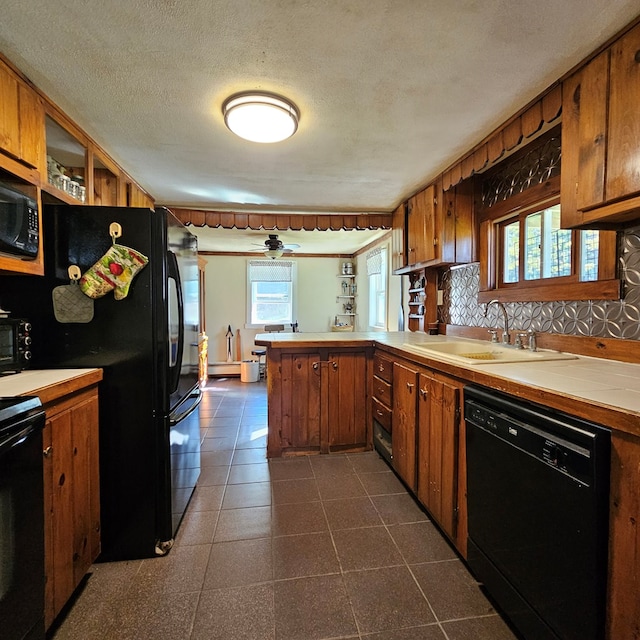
[[456, 224], [300, 400], [72, 500], [9, 113], [347, 399], [59, 566], [421, 227], [584, 135], [32, 136], [398, 249], [438, 418], [623, 168], [403, 431]]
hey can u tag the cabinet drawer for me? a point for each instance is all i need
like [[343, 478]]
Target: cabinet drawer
[[381, 414], [383, 368], [382, 391]]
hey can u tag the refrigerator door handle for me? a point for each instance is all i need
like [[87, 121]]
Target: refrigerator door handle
[[197, 394], [176, 364]]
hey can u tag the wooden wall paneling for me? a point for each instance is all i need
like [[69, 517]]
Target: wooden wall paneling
[[296, 222], [255, 221], [468, 166], [309, 223], [456, 174], [350, 222], [623, 610], [336, 222], [241, 220], [485, 253], [495, 147], [227, 220], [198, 218], [283, 222], [552, 104], [512, 134], [323, 223], [446, 180], [480, 158], [212, 219], [532, 119]]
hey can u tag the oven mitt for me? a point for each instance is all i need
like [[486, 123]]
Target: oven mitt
[[115, 270], [69, 303]]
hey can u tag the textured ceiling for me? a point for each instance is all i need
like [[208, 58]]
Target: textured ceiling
[[390, 91]]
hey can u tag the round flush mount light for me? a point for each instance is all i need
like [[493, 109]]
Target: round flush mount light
[[260, 117]]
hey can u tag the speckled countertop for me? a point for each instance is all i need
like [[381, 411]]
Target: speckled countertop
[[604, 386]]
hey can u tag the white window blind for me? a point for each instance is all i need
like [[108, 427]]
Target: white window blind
[[270, 292], [374, 261]]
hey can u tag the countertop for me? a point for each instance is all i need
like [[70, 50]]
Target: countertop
[[606, 391], [48, 384]]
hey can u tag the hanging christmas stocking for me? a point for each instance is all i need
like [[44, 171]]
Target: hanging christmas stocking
[[115, 270]]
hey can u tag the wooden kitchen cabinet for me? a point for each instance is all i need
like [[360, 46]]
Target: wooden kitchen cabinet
[[421, 227], [439, 410], [21, 120], [600, 179], [318, 401], [72, 496], [403, 430], [456, 236], [398, 238]]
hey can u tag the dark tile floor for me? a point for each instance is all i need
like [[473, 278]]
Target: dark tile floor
[[303, 548]]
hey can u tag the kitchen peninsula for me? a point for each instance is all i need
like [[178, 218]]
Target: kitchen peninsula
[[312, 409]]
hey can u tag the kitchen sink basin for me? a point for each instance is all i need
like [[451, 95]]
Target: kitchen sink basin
[[484, 352]]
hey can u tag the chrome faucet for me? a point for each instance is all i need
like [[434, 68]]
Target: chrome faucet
[[505, 330]]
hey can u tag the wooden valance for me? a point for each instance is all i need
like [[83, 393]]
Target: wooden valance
[[511, 134], [282, 222]]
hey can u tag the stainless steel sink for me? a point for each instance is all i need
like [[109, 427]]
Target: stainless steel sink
[[481, 352]]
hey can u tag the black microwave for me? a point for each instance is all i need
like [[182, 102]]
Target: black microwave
[[15, 345], [18, 223]]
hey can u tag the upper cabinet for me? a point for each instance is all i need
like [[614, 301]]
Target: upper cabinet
[[398, 239], [456, 224], [21, 124], [600, 138], [46, 155], [421, 227]]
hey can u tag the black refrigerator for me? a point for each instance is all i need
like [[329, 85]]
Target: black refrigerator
[[147, 345]]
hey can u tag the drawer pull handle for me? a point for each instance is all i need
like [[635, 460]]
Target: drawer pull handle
[[47, 452], [380, 367], [423, 393], [410, 385], [379, 412]]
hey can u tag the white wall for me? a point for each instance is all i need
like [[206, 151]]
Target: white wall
[[318, 285], [226, 296]]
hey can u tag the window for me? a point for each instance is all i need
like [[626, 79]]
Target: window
[[525, 255], [270, 292], [377, 273], [547, 250]]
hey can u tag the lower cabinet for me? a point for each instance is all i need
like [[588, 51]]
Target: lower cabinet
[[403, 420], [438, 421], [428, 444], [72, 496], [318, 401]]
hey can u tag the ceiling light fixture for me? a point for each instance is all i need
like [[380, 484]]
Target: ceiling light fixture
[[273, 253], [260, 117]]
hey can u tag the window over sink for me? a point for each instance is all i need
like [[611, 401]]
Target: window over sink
[[525, 254]]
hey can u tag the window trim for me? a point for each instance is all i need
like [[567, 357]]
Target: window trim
[[384, 276], [607, 287], [294, 297]]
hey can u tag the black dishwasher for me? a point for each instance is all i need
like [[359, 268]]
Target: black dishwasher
[[21, 519], [537, 497]]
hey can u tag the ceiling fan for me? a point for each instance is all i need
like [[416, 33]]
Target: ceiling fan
[[274, 247]]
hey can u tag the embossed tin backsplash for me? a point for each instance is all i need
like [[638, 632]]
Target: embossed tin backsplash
[[597, 318]]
